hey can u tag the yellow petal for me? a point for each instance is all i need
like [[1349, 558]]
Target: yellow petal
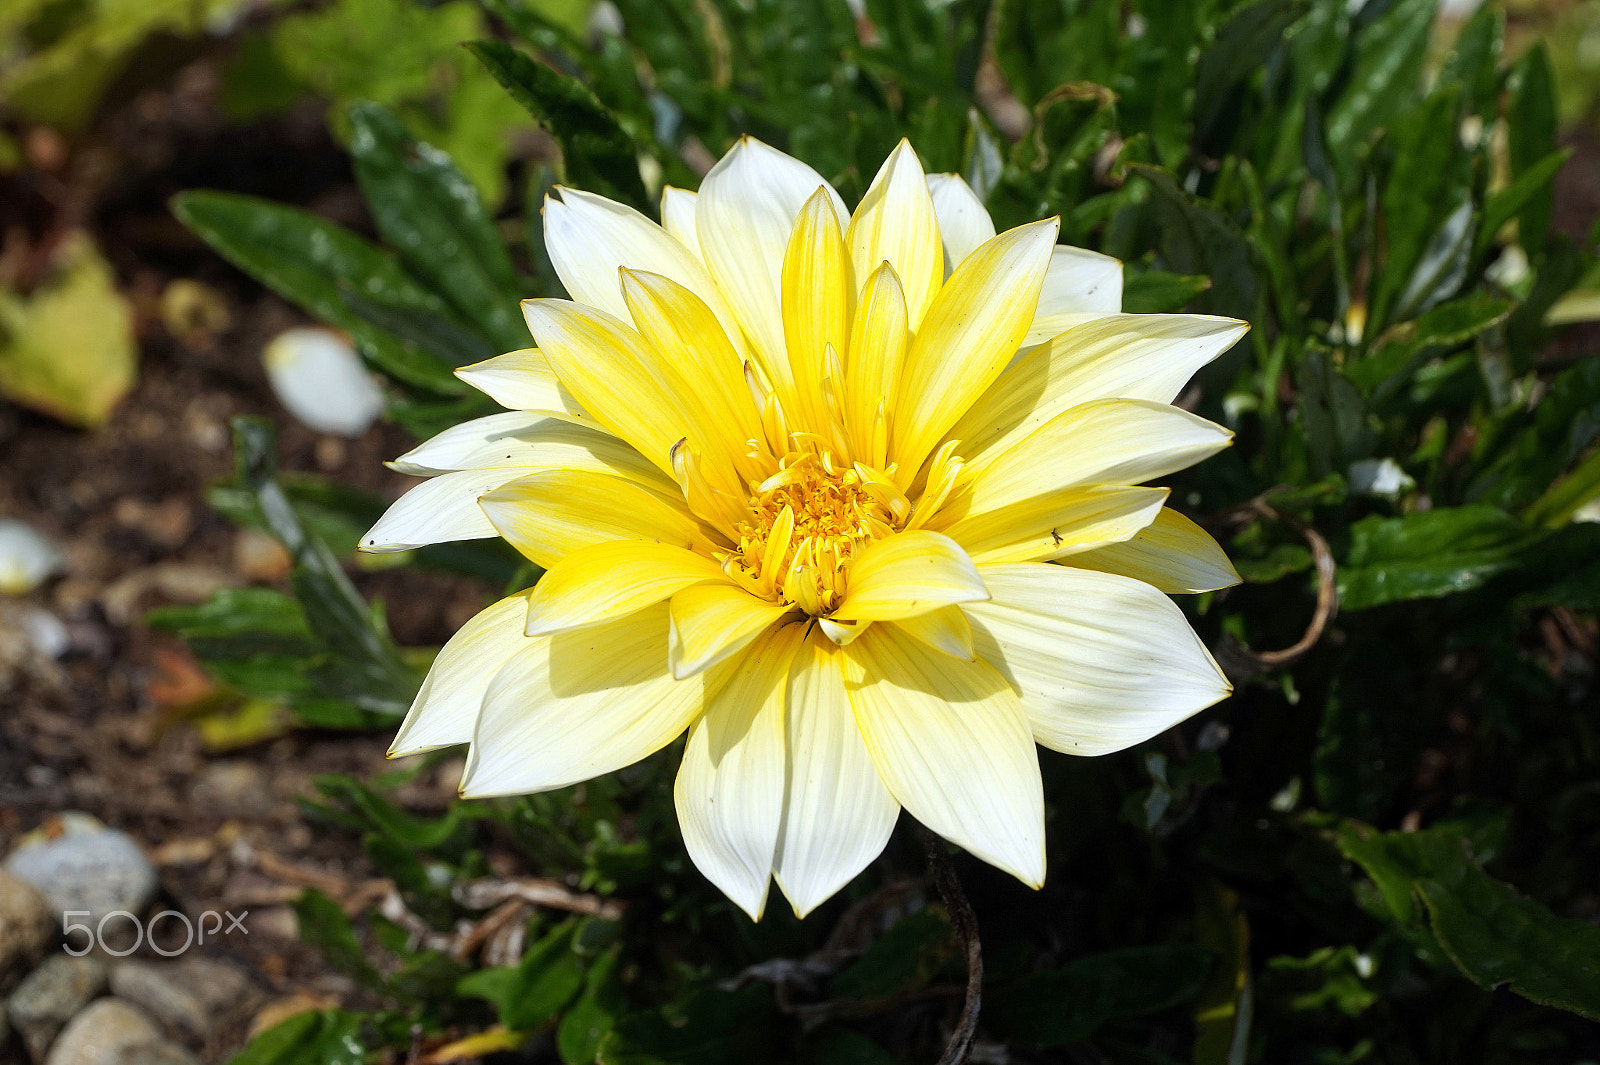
[[896, 223], [1051, 526], [952, 743], [699, 366], [612, 580], [523, 380], [1172, 553], [578, 704], [551, 514], [445, 710], [908, 574], [874, 362], [1102, 662], [1122, 356], [971, 331], [713, 621], [838, 813], [817, 303], [730, 787], [609, 368], [1109, 441], [946, 629]]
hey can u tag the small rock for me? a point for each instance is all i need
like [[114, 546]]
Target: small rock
[[190, 995], [26, 923], [50, 996], [106, 1033], [152, 1054], [79, 864], [232, 788]]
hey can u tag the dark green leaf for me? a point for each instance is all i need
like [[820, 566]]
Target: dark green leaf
[[1531, 137], [328, 1037], [1519, 194], [599, 154], [902, 959], [531, 993], [1389, 54], [429, 212], [709, 1028], [586, 1023], [1158, 292], [324, 926], [1195, 239], [1068, 1004], [1429, 554], [306, 260], [1240, 49]]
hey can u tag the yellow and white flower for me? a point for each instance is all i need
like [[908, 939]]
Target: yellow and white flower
[[797, 493]]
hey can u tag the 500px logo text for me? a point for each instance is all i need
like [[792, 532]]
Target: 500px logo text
[[95, 935]]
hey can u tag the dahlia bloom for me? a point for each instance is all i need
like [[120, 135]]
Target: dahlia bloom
[[853, 498]]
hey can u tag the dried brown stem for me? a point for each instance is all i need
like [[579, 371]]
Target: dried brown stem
[[965, 923]]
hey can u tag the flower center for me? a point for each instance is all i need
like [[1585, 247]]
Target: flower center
[[807, 522]]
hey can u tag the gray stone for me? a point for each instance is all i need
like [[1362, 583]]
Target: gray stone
[[152, 1054], [50, 996], [189, 995], [103, 1034], [26, 922], [79, 864]]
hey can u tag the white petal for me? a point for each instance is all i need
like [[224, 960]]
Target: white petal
[[318, 376], [445, 711], [730, 787], [950, 739], [744, 214], [1172, 553], [1120, 356], [589, 237], [26, 558], [1102, 661], [839, 814], [440, 510], [1079, 284], [473, 445], [523, 380], [964, 222], [578, 704], [677, 216]]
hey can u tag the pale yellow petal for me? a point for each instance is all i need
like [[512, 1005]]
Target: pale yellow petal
[[874, 363], [1122, 356], [1080, 285], [951, 741], [1053, 525], [1102, 662], [589, 237], [610, 369], [1172, 553], [578, 704], [818, 300], [677, 216], [710, 622], [838, 814], [964, 222], [946, 629], [699, 366], [445, 710], [730, 787], [1109, 441], [522, 438], [523, 380], [549, 515], [744, 214], [907, 574], [896, 223], [612, 580], [971, 331]]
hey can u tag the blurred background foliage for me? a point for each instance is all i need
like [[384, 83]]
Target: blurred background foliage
[[1383, 848]]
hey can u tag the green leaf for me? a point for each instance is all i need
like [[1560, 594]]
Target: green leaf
[[530, 993], [1240, 49], [1494, 935], [307, 260], [1069, 1004], [599, 155], [903, 959], [366, 667], [708, 1028], [323, 925], [1159, 292], [1531, 137], [1398, 352], [417, 833], [1519, 194], [1196, 239], [586, 1023], [1428, 554], [430, 213], [1389, 54], [1334, 412], [329, 1037]]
